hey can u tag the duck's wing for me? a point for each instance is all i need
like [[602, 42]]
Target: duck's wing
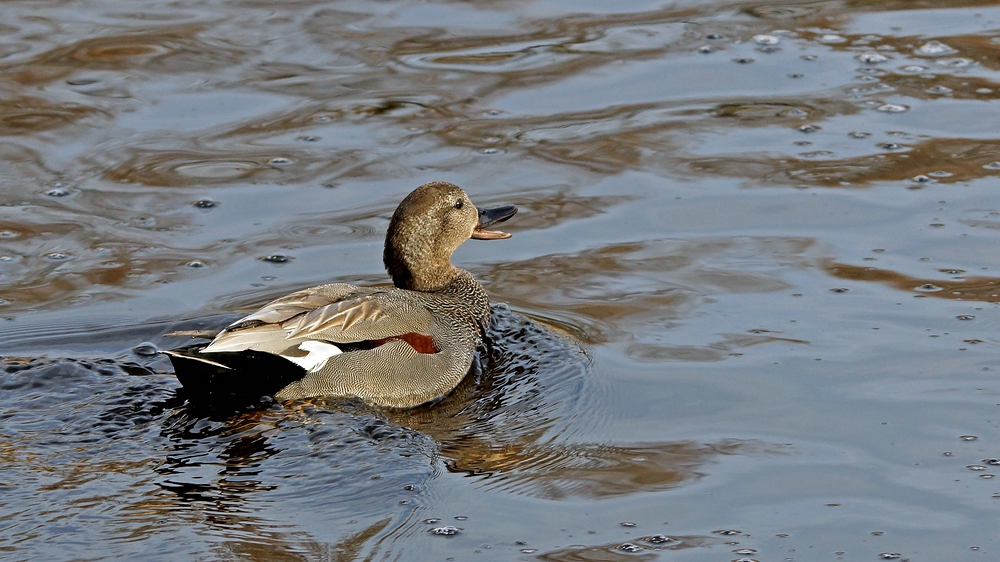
[[337, 313]]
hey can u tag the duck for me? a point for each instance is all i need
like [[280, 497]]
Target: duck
[[396, 347]]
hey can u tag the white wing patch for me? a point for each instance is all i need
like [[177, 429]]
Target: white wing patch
[[319, 352]]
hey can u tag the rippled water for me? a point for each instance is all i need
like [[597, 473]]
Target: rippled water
[[757, 248]]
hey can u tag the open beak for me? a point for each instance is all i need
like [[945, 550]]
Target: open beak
[[493, 216]]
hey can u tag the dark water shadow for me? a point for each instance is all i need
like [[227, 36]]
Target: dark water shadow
[[75, 427], [507, 426]]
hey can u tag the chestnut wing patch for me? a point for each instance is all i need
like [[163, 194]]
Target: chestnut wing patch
[[419, 342]]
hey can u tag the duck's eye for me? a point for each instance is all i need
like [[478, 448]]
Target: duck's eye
[[458, 204]]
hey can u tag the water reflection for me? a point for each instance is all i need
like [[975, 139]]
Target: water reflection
[[31, 115], [599, 120], [155, 50], [962, 288], [585, 292], [641, 549]]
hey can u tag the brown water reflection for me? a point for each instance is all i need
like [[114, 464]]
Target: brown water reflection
[[30, 115], [962, 288], [646, 549], [667, 280], [155, 50]]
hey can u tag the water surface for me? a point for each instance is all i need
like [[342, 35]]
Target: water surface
[[748, 311]]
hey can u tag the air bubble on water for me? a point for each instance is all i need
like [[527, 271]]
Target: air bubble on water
[[993, 462], [768, 49], [968, 437], [889, 555], [322, 119], [627, 524], [59, 190], [940, 174], [871, 71], [205, 204], [713, 36], [860, 134], [992, 166], [745, 551], [446, 531], [659, 539], [279, 161], [794, 75], [986, 476], [809, 128], [706, 49], [892, 108], [8, 234], [630, 548], [889, 145], [984, 91], [57, 255], [976, 467], [490, 151], [956, 63], [934, 49], [921, 178], [461, 517], [830, 38], [766, 39], [276, 258], [965, 317], [726, 532], [742, 60], [6, 258], [839, 290], [872, 57], [915, 68], [928, 288], [82, 81], [308, 138], [195, 264], [939, 90], [146, 349], [744, 560], [529, 550], [432, 520], [809, 57]]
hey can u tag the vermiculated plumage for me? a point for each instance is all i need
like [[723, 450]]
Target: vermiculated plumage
[[398, 347]]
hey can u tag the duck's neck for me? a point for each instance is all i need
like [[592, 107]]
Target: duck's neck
[[415, 269]]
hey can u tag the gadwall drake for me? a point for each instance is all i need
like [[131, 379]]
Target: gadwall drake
[[398, 347]]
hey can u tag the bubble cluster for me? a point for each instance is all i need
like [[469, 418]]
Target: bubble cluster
[[276, 258], [934, 49], [892, 108], [630, 548], [872, 57]]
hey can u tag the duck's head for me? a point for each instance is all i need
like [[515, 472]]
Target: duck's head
[[427, 227]]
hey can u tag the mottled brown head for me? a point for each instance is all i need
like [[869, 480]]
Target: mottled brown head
[[427, 227]]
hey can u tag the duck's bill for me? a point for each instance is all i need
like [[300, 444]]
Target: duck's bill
[[492, 216]]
